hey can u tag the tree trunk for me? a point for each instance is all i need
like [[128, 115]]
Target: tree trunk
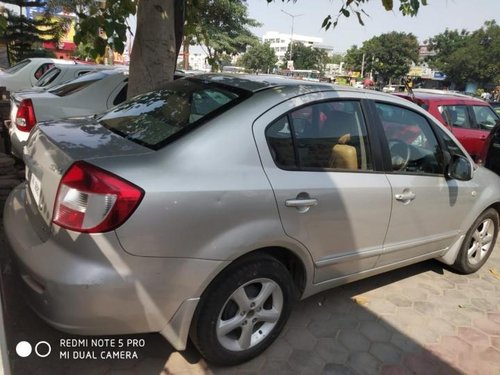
[[154, 53]]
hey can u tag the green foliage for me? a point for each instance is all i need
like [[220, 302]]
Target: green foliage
[[24, 36], [349, 7], [260, 58], [388, 55], [468, 57], [221, 26], [98, 25], [305, 57]]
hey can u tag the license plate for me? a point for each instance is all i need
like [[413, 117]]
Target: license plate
[[35, 187]]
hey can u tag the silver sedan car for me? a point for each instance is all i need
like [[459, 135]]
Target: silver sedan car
[[206, 209]]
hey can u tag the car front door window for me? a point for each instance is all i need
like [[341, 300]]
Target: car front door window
[[412, 144], [485, 117]]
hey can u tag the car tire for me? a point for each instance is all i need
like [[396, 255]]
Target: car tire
[[478, 243], [243, 310]]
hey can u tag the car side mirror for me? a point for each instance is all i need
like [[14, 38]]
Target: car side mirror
[[459, 168]]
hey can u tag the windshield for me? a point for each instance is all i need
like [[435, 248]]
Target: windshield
[[158, 117], [17, 67]]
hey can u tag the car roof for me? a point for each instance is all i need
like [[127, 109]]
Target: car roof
[[81, 66], [258, 82], [441, 96]]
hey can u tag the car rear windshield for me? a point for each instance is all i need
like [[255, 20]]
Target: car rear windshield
[[49, 77], [77, 84], [157, 118], [17, 67]]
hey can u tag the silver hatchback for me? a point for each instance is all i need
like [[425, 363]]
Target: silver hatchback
[[208, 208]]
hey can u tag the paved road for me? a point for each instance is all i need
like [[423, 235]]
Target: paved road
[[422, 319]]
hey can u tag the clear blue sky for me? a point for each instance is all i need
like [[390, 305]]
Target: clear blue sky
[[431, 19]]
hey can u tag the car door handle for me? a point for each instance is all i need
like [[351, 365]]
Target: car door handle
[[301, 202], [406, 196]]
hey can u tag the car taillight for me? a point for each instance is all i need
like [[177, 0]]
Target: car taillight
[[92, 200], [25, 116]]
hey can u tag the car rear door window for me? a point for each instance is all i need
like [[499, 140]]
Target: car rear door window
[[412, 143], [484, 117], [326, 135], [456, 116]]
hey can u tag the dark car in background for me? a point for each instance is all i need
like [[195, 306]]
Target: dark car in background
[[469, 119], [491, 150]]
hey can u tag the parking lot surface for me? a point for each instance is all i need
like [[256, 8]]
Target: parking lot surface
[[421, 319]]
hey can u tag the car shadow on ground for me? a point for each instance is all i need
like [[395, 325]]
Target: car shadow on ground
[[333, 332]]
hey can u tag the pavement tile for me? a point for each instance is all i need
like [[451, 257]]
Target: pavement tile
[[483, 304], [495, 342], [354, 341], [385, 353], [490, 355], [333, 325], [426, 308], [487, 326], [331, 351], [423, 335], [405, 343], [375, 331], [305, 360], [279, 350], [474, 337], [364, 363], [156, 365], [422, 363], [399, 300], [334, 369], [300, 338], [276, 367], [494, 317], [394, 370], [456, 317]]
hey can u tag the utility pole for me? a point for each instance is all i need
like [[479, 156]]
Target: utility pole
[[363, 66], [291, 35]]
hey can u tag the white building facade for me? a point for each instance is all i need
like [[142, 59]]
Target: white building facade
[[280, 41]]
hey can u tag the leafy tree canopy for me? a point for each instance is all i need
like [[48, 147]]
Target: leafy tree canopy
[[24, 36], [388, 55], [259, 58], [221, 26], [305, 57], [465, 56], [99, 25]]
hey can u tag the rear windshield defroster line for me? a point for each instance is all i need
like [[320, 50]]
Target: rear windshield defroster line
[[159, 117]]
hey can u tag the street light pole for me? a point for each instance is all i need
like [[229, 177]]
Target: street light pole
[[291, 35]]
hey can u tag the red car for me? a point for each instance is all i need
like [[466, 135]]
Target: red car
[[470, 119]]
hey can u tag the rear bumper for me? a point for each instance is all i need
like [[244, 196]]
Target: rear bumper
[[86, 284]]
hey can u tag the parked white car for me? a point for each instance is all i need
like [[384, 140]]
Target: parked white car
[[59, 74], [87, 95], [26, 73]]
